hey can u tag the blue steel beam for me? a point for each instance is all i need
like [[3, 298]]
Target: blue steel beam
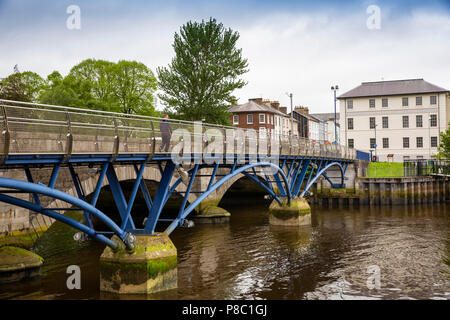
[[130, 203], [320, 173], [188, 190], [301, 177], [197, 201], [98, 187], [144, 190], [57, 216], [160, 198], [258, 181], [29, 187], [80, 193], [118, 196]]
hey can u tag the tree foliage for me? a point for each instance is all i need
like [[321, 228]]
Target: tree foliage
[[205, 71], [444, 146], [23, 86]]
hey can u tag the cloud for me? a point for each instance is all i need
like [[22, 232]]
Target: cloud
[[291, 47]]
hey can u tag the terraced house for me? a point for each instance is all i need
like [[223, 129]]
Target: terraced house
[[397, 120]]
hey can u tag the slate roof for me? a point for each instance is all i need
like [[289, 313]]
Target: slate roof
[[252, 106], [391, 88], [326, 116]]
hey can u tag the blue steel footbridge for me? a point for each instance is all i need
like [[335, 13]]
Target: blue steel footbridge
[[56, 137]]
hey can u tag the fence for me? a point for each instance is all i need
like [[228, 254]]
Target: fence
[[424, 167]]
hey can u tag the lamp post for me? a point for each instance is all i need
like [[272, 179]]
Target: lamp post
[[292, 114], [376, 141], [334, 88]]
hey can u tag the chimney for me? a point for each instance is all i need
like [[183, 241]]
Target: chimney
[[275, 105], [301, 109], [283, 109], [257, 100]]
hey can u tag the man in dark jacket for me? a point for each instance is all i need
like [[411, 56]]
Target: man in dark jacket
[[166, 132]]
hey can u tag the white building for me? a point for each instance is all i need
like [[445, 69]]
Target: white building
[[329, 119], [398, 120]]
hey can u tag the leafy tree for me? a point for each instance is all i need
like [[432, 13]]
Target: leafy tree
[[58, 92], [23, 86], [444, 146], [132, 87], [201, 78], [93, 78]]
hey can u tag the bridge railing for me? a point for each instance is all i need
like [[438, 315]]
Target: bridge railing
[[30, 128]]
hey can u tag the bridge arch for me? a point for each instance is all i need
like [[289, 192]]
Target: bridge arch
[[321, 172]]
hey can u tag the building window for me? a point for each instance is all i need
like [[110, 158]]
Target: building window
[[372, 143], [405, 120], [350, 123], [272, 119], [350, 104], [235, 119], [372, 122], [419, 123], [351, 143], [419, 142], [418, 101], [405, 102], [262, 118], [433, 120], [419, 157], [433, 100], [385, 121], [249, 119], [405, 142], [385, 143], [434, 142], [384, 102], [372, 103], [405, 158]]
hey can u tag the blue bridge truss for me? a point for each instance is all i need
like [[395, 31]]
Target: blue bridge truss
[[36, 136]]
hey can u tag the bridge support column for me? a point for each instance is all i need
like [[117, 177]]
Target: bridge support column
[[209, 212], [152, 267], [297, 213]]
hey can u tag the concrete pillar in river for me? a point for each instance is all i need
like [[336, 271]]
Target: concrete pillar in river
[[151, 267], [297, 213]]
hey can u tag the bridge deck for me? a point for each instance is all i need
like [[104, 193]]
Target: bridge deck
[[37, 129]]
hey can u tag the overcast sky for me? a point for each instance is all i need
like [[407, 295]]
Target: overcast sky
[[292, 46]]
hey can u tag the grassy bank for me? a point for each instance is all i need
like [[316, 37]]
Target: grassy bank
[[385, 170]]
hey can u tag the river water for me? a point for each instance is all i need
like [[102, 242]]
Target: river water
[[352, 253]]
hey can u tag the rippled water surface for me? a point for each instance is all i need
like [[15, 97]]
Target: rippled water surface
[[336, 258]]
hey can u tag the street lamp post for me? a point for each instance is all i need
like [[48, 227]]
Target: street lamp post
[[334, 88], [292, 114], [376, 141]]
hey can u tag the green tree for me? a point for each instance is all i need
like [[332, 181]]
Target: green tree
[[132, 87], [23, 86], [58, 92], [444, 146], [204, 72]]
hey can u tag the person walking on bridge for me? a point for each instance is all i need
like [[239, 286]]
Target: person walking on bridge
[[166, 132]]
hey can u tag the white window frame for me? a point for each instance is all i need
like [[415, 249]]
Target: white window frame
[[249, 115], [264, 119], [234, 118]]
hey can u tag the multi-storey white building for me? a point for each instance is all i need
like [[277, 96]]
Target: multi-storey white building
[[396, 120], [329, 119]]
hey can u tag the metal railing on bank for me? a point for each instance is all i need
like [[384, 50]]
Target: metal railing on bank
[[31, 128], [426, 167]]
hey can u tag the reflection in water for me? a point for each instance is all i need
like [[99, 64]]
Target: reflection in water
[[249, 259]]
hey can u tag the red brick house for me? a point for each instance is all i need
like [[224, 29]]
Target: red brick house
[[258, 114]]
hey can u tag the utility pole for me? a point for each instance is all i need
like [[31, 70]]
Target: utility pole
[[376, 141], [334, 88], [292, 114]]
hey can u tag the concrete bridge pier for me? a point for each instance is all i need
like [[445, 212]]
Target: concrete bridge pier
[[297, 213], [151, 267]]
